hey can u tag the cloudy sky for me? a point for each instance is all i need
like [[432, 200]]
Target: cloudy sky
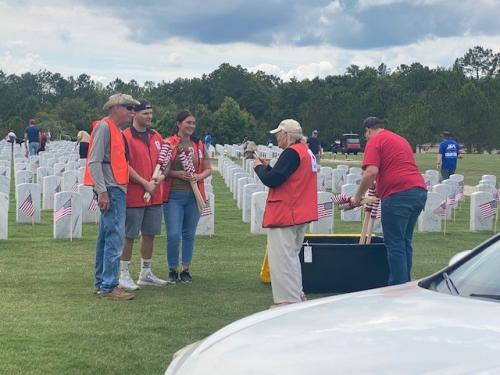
[[166, 39]]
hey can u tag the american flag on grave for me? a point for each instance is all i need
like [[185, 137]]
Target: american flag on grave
[[27, 206], [450, 200], [75, 187], [488, 209], [441, 209], [64, 210], [207, 210], [325, 210], [93, 204]]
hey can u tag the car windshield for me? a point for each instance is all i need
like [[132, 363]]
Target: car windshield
[[479, 277]]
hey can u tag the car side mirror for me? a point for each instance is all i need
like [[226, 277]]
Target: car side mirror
[[459, 256]]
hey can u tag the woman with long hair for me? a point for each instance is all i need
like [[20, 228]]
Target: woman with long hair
[[180, 208]]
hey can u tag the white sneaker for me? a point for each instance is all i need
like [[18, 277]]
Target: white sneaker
[[126, 282], [148, 278]]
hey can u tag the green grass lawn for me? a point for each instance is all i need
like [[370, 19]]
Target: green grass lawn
[[52, 323]]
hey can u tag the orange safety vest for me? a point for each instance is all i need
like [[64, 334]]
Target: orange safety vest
[[119, 165], [296, 200], [198, 149]]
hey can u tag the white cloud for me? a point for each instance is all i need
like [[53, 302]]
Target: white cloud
[[17, 65]]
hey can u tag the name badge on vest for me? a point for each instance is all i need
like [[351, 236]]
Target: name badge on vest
[[158, 145], [314, 163]]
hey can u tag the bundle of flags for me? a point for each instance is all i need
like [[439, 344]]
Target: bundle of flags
[[374, 208], [165, 156], [187, 161], [344, 201]]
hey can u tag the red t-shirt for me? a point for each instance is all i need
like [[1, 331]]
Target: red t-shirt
[[397, 169]]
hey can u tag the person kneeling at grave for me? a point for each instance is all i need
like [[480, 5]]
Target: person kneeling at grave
[[291, 205]]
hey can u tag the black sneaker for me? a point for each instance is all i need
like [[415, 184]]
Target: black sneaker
[[173, 275], [186, 277]]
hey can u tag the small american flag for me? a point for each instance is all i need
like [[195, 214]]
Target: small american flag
[[187, 161], [325, 209], [93, 204], [27, 206], [75, 187], [450, 201], [65, 210], [207, 210], [441, 209], [488, 209]]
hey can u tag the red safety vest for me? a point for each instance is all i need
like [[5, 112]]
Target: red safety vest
[[118, 162], [143, 158], [198, 149], [296, 200]]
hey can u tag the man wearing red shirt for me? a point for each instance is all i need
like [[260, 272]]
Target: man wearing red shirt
[[389, 161]]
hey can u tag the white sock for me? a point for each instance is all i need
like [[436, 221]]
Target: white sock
[[124, 266], [145, 265]]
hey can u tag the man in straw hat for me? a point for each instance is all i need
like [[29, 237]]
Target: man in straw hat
[[291, 205], [107, 172]]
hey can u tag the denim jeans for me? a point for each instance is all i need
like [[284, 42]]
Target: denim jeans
[[33, 148], [110, 239], [181, 218], [399, 215], [446, 173]]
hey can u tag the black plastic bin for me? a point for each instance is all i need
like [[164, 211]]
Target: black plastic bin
[[340, 264]]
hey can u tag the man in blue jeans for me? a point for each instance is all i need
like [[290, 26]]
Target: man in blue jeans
[[107, 171], [32, 138], [389, 161]]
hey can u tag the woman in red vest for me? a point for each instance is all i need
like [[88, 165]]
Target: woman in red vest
[[291, 205], [180, 209]]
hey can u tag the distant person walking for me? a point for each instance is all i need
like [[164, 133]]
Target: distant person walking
[[447, 155], [82, 141], [107, 171], [144, 217], [12, 138], [315, 145], [389, 160], [32, 138], [208, 141]]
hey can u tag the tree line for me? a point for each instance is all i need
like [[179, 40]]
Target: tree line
[[232, 103]]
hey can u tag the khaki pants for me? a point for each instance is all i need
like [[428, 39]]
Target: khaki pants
[[284, 246]]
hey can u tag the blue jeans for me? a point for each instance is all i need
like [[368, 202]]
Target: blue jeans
[[33, 148], [447, 172], [181, 218], [110, 239], [399, 215]]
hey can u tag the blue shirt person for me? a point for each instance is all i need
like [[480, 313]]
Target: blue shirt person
[[447, 155]]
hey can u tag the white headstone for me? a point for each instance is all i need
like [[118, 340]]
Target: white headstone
[[350, 215], [90, 211], [206, 224], [325, 215], [445, 192], [70, 181], [454, 191], [328, 173], [489, 177], [430, 218], [20, 167], [241, 183], [321, 182], [433, 176], [246, 205], [42, 172], [4, 171], [24, 177], [4, 216], [28, 203], [4, 184], [478, 221], [67, 215], [356, 170], [51, 186], [59, 169], [353, 178], [234, 183], [257, 212], [339, 178]]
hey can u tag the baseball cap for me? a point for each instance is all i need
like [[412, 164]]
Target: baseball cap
[[143, 105], [445, 133], [288, 126], [372, 121]]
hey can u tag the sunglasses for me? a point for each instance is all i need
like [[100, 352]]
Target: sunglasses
[[128, 107]]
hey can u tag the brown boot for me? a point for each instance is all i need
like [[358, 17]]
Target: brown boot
[[117, 294]]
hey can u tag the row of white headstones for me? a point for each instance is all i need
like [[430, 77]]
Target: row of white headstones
[[250, 194], [52, 181]]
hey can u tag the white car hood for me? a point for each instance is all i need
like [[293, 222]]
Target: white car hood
[[395, 330]]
